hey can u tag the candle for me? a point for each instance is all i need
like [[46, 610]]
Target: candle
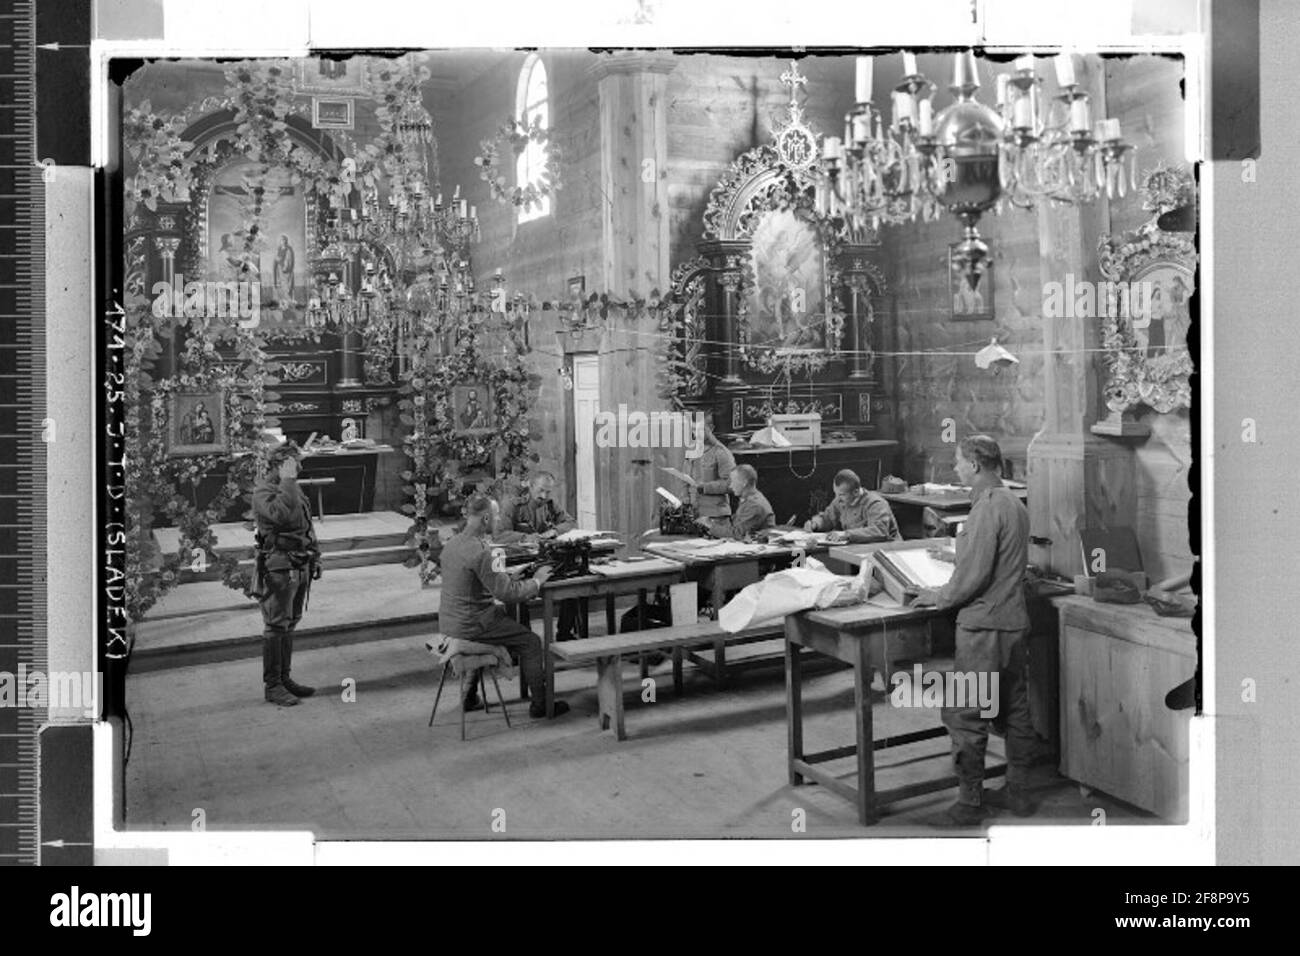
[[897, 112], [1025, 63], [392, 200], [908, 102], [832, 149], [498, 272], [1065, 70], [1004, 81], [909, 64], [473, 212], [862, 86], [464, 206], [1108, 129], [456, 194], [927, 118], [437, 203], [1080, 115]]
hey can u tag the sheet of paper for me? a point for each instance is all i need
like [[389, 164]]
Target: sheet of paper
[[577, 534], [927, 571], [679, 475], [669, 497]]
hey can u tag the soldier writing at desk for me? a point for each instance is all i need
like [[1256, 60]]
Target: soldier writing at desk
[[992, 628], [864, 516], [532, 518]]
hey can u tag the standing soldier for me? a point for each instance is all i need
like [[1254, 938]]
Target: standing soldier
[[288, 560], [988, 586]]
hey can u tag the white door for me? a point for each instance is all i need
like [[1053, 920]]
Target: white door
[[586, 403]]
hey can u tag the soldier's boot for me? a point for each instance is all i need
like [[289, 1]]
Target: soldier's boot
[[272, 660], [286, 664]]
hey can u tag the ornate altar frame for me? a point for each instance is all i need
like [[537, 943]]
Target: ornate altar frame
[[713, 359], [1137, 377]]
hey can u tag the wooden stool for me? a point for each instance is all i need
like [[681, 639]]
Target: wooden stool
[[319, 484], [476, 680]]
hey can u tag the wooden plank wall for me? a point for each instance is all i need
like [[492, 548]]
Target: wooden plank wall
[[1143, 93], [931, 388]]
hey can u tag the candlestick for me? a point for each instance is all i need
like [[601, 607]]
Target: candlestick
[[909, 64], [1080, 116], [1064, 70], [861, 128], [862, 86], [1022, 112]]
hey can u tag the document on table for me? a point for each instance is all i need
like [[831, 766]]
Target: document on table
[[577, 534], [921, 567]]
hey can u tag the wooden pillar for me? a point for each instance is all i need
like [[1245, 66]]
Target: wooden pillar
[[1077, 480], [632, 88]]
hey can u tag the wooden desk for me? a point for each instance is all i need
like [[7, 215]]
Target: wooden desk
[[723, 577], [590, 586], [856, 636]]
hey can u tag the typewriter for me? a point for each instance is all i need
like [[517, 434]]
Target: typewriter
[[567, 559], [679, 520]]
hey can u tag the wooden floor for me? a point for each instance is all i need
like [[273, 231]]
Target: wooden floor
[[710, 764]]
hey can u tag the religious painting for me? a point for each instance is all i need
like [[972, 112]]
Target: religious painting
[[276, 262], [331, 112], [970, 303], [472, 409], [1167, 287], [788, 301], [196, 424]]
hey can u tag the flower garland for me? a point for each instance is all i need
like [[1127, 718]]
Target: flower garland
[[437, 450], [513, 138]]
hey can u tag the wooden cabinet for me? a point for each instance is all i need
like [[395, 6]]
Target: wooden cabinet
[[1117, 664]]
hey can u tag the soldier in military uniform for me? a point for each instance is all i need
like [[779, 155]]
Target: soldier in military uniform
[[864, 516], [288, 560], [533, 517], [472, 582]]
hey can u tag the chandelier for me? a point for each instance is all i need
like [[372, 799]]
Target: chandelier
[[379, 253], [969, 157]]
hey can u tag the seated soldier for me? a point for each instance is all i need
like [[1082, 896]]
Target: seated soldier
[[863, 515], [534, 515], [753, 513], [531, 518]]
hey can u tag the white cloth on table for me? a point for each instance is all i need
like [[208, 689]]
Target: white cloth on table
[[467, 656], [791, 590]]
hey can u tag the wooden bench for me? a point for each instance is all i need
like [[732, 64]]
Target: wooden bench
[[608, 652]]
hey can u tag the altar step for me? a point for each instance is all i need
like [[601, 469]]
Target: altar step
[[346, 541], [205, 621]]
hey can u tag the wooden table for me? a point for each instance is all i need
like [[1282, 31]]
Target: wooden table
[[908, 507], [723, 576], [856, 636], [590, 586]]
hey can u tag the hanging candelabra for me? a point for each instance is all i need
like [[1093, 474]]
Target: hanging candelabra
[[969, 158]]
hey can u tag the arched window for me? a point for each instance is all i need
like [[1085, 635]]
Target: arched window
[[532, 105]]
